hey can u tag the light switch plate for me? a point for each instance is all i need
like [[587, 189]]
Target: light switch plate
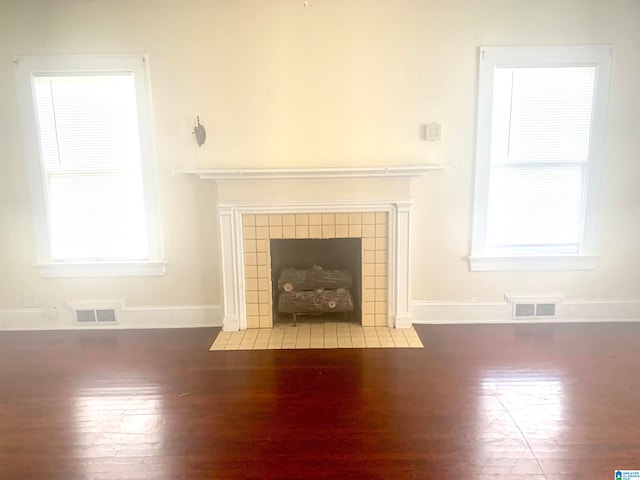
[[433, 132]]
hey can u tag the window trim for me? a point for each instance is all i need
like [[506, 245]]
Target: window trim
[[27, 67], [490, 57]]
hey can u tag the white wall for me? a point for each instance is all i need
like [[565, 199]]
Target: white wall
[[344, 82]]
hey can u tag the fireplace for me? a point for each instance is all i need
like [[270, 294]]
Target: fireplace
[[256, 206]]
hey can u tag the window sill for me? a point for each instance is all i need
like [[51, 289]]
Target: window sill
[[479, 263], [102, 269]]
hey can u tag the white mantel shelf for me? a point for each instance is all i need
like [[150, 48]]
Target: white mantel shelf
[[235, 174]]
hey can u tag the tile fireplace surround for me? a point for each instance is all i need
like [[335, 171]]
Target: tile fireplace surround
[[257, 205], [258, 229]]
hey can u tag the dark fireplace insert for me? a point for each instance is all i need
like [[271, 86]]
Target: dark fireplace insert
[[316, 278]]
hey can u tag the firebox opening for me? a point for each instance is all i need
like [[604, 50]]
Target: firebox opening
[[335, 254]]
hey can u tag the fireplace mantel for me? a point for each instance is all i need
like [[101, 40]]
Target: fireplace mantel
[[359, 191], [324, 173]]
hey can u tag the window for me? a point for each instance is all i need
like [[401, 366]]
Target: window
[[88, 129], [541, 119]]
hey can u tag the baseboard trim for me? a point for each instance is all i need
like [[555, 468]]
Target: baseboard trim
[[575, 311], [423, 312], [403, 321], [139, 317], [230, 323]]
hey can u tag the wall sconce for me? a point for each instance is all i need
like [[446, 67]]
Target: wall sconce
[[199, 132]]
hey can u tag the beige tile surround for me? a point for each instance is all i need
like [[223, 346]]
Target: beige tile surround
[[317, 334], [258, 229]]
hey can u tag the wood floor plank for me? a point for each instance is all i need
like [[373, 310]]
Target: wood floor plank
[[479, 401]]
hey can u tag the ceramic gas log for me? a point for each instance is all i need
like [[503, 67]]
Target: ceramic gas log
[[314, 291], [295, 280], [317, 301]]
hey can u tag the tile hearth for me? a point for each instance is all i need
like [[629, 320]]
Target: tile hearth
[[317, 335]]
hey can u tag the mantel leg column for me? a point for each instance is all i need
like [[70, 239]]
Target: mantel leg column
[[231, 265], [402, 250]]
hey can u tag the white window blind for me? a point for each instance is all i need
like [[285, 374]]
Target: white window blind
[[540, 137], [90, 152]]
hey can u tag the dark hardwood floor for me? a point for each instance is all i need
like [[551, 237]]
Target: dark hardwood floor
[[478, 402]]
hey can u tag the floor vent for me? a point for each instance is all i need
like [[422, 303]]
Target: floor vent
[[534, 310], [102, 315]]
